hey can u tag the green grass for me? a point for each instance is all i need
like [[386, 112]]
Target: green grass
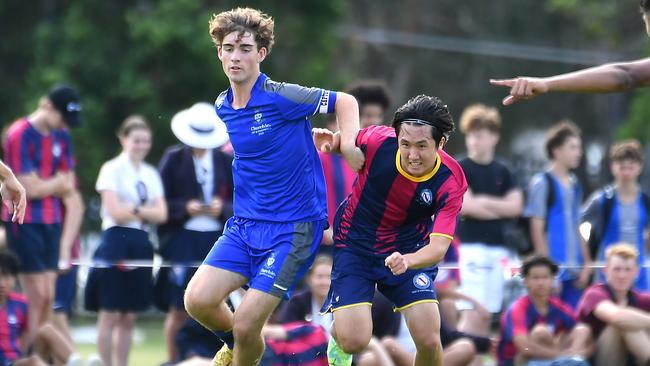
[[148, 347]]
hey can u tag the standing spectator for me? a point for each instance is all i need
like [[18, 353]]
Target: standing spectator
[[493, 196], [620, 212], [619, 315], [132, 197], [539, 326], [38, 150], [197, 177], [553, 207], [373, 99]]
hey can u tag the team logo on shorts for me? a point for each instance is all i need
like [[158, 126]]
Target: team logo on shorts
[[270, 261], [426, 197], [422, 281], [56, 150]]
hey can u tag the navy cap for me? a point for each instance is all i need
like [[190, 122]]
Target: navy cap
[[66, 100]]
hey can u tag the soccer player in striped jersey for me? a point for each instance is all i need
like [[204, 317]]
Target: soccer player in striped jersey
[[394, 228]]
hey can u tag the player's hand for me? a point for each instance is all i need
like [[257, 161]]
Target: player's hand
[[328, 237], [397, 263], [14, 197], [521, 88], [354, 157], [323, 139]]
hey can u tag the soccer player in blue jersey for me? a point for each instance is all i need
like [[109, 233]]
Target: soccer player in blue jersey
[[280, 204], [384, 233]]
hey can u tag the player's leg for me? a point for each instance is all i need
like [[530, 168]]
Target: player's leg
[[398, 353], [423, 321], [352, 327], [579, 341], [49, 343], [638, 344], [250, 317], [226, 268]]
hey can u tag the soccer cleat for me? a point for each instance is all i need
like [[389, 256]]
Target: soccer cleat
[[223, 357], [336, 356]]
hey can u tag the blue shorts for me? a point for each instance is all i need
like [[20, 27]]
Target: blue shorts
[[36, 245], [66, 291], [273, 256], [354, 277], [120, 288], [185, 248]]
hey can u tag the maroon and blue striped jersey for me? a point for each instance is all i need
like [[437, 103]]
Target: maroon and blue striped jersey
[[389, 209], [13, 324], [25, 151]]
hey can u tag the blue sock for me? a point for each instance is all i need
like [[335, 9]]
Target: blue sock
[[226, 337]]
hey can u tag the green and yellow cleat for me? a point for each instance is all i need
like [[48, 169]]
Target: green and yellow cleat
[[336, 356], [223, 357]]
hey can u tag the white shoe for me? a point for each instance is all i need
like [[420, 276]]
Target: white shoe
[[94, 360]]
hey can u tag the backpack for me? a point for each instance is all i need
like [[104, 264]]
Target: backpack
[[518, 233], [596, 234]]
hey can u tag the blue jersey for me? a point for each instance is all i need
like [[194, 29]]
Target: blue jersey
[[277, 173]]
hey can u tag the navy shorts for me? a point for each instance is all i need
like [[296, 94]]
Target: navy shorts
[[185, 248], [354, 277], [118, 287], [36, 245], [66, 291], [273, 256]]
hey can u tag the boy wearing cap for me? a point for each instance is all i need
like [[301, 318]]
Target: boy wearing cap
[[197, 177], [38, 150], [280, 203]]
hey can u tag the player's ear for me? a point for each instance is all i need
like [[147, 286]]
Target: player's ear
[[261, 54], [443, 141]]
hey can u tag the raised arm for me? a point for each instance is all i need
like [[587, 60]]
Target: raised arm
[[347, 117], [605, 78]]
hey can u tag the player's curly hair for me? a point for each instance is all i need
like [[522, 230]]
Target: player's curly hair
[[243, 20], [430, 110]]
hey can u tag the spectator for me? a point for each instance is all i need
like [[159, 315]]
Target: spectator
[[132, 197], [553, 206], [197, 178], [38, 150], [618, 314], [47, 343], [539, 326], [305, 305], [373, 99], [493, 196], [620, 212]]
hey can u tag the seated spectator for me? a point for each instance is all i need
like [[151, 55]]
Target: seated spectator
[[619, 315], [47, 343], [539, 326]]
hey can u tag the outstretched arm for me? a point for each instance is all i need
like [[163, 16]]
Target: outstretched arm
[[347, 117], [605, 78]]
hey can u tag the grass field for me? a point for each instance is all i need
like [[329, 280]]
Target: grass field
[[148, 346]]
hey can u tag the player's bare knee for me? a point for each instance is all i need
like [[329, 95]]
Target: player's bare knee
[[428, 343], [466, 348], [352, 343], [245, 331]]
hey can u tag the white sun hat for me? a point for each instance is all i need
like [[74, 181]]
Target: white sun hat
[[200, 127]]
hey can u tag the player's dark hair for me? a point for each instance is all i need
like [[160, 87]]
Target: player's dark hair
[[557, 135], [424, 109], [645, 5], [9, 264], [370, 92], [627, 150], [537, 260]]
